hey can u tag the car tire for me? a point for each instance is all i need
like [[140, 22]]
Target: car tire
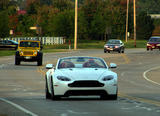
[[17, 61], [48, 95], [53, 97], [39, 61], [104, 51], [147, 49], [108, 51]]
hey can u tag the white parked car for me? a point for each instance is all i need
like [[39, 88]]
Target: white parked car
[[76, 76]]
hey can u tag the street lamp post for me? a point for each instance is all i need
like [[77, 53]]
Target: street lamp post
[[127, 21], [134, 5], [75, 33]]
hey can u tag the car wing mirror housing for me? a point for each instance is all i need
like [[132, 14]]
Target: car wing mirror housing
[[113, 65], [49, 66]]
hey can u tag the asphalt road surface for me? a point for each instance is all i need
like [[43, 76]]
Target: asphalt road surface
[[22, 88]]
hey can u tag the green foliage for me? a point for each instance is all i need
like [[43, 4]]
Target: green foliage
[[63, 5], [144, 26], [149, 6], [4, 4], [25, 22], [62, 24], [4, 29]]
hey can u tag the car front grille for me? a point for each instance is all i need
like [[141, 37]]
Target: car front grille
[[86, 84], [27, 53], [85, 92]]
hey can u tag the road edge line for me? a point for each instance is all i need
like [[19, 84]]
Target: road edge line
[[18, 107], [145, 77]]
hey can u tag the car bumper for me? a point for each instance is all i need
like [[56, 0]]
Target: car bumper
[[27, 58], [62, 89], [111, 49], [153, 47]]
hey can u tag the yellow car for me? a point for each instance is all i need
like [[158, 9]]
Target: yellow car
[[29, 51]]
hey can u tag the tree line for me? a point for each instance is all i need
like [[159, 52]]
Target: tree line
[[97, 19]]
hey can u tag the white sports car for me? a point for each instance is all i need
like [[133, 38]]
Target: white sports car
[[79, 75]]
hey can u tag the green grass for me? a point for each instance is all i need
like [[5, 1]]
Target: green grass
[[7, 52], [81, 45], [139, 44]]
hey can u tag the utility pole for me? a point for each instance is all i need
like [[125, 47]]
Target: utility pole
[[127, 21], [75, 33], [134, 5]]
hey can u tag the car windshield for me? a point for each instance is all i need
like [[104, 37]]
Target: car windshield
[[81, 62], [29, 44], [154, 39], [113, 42]]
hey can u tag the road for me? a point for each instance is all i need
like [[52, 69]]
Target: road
[[22, 88]]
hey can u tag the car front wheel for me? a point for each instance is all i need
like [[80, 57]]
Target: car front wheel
[[17, 61], [48, 95], [53, 97]]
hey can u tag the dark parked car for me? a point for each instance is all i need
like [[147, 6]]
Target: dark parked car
[[114, 45], [8, 44], [153, 43]]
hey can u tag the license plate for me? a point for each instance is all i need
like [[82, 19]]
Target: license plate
[[28, 57]]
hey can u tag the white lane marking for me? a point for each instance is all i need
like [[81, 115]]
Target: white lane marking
[[144, 75], [122, 74], [2, 65], [64, 114], [19, 107], [133, 82]]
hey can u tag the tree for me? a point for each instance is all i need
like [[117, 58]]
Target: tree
[[4, 4], [63, 5], [144, 26], [104, 17], [4, 29], [32, 6], [149, 6], [62, 24]]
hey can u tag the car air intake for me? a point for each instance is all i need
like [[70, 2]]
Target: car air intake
[[28, 53], [86, 84]]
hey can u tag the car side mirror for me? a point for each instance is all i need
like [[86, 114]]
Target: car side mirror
[[49, 66], [113, 65]]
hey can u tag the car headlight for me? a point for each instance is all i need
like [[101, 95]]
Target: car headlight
[[107, 78], [63, 78], [35, 52], [148, 44], [116, 46], [21, 53]]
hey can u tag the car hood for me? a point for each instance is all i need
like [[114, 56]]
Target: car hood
[[84, 74]]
